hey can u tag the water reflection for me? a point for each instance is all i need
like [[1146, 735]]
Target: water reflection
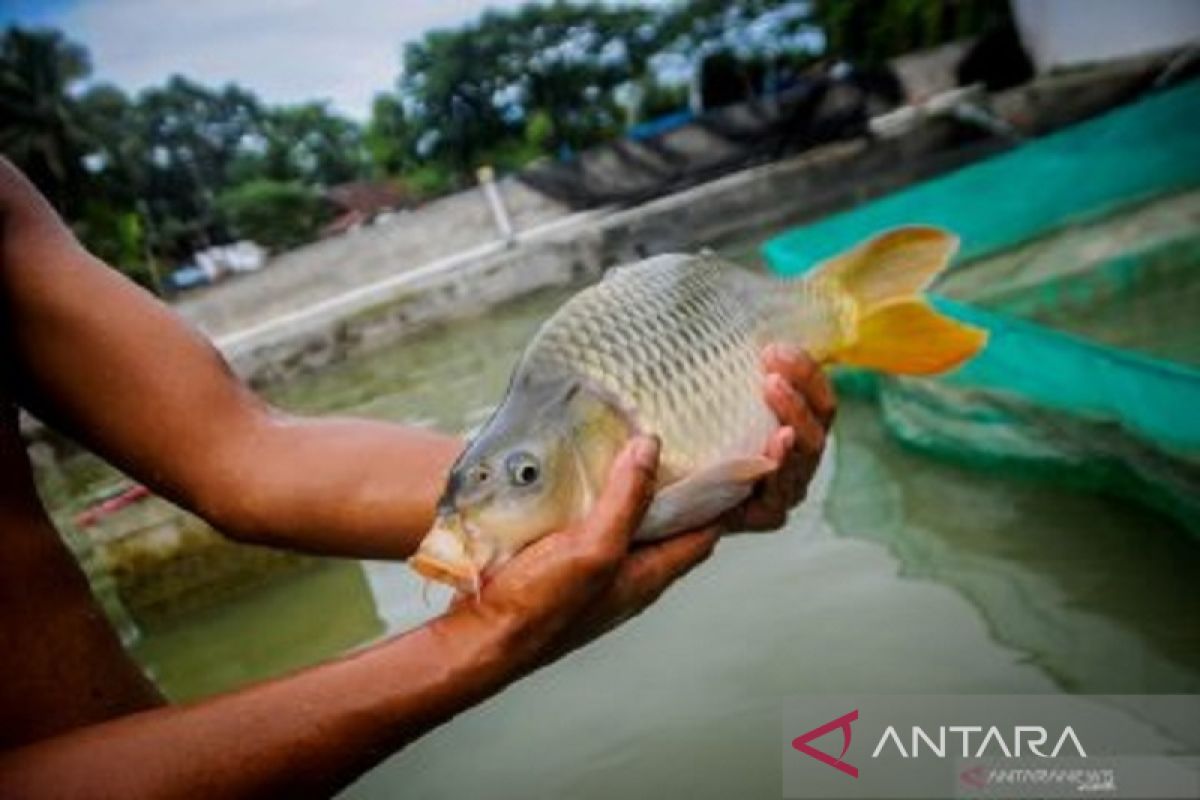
[[685, 701], [899, 575], [448, 377], [304, 619], [1100, 592]]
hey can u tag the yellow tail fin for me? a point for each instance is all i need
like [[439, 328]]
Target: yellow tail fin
[[896, 330]]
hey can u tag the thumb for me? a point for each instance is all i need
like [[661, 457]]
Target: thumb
[[626, 496]]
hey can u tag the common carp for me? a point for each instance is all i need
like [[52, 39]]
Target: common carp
[[671, 346]]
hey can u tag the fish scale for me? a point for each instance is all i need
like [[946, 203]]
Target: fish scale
[[669, 342]]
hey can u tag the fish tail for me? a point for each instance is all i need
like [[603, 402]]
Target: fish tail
[[891, 326]]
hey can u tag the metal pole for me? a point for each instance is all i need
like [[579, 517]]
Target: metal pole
[[487, 181]]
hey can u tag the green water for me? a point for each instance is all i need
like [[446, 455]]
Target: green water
[[899, 574]]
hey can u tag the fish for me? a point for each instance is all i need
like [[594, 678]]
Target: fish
[[671, 346]]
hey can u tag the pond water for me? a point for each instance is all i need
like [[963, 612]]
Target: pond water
[[899, 574]]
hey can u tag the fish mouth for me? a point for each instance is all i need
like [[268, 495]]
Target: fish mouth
[[451, 574], [444, 557]]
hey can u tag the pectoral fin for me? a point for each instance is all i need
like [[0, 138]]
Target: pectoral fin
[[700, 498]]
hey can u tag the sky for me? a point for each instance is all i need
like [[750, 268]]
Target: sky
[[284, 50]]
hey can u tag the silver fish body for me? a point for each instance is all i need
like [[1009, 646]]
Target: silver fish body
[[671, 346]]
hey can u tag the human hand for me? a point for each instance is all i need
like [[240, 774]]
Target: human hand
[[571, 586], [800, 395]]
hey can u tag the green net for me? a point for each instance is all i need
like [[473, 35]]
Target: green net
[[1138, 298], [1137, 151], [1153, 398], [1061, 401]]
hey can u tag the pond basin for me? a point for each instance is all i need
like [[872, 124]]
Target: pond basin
[[900, 574]]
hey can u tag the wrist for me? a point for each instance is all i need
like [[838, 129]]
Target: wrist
[[477, 650]]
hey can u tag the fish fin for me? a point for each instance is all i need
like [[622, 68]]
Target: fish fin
[[909, 337], [701, 497], [892, 327], [893, 265]]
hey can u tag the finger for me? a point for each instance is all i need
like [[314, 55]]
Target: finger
[[791, 363], [785, 488], [787, 403], [781, 444], [644, 575], [648, 571], [819, 395], [765, 508], [765, 516], [793, 481], [625, 498], [804, 374], [791, 409], [779, 450]]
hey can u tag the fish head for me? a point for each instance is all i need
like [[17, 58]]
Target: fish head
[[518, 480]]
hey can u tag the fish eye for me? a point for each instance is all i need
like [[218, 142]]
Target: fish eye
[[523, 469]]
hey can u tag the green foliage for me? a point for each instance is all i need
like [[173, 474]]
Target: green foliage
[[278, 214], [44, 130], [548, 75], [429, 180], [539, 130], [658, 100], [158, 162], [118, 237], [872, 31], [307, 143], [389, 137], [183, 166]]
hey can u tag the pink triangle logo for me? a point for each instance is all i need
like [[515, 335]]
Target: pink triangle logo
[[842, 723]]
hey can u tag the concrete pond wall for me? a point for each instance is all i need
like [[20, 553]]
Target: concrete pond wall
[[397, 242]]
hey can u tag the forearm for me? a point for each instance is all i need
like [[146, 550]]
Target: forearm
[[99, 358], [303, 736], [332, 486]]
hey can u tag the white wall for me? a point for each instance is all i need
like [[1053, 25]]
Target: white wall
[[1062, 32]]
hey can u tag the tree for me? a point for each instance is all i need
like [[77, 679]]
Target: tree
[[43, 132], [192, 137], [307, 143], [278, 214], [872, 31], [389, 136], [156, 176], [545, 79], [471, 90]]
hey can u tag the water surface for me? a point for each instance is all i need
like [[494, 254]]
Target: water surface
[[900, 574]]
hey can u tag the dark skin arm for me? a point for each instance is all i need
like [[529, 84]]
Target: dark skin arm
[[310, 734], [101, 359], [104, 361]]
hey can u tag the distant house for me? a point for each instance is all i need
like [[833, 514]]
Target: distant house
[[358, 202]]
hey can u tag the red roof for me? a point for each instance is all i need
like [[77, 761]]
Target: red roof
[[366, 197]]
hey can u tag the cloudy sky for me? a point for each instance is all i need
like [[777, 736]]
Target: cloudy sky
[[285, 50]]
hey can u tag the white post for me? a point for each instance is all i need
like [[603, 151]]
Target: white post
[[487, 181]]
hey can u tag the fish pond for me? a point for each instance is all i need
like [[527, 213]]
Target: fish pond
[[900, 574]]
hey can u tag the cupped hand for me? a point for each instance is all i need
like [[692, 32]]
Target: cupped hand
[[801, 397], [573, 585]]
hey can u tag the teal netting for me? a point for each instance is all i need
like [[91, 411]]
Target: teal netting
[[1137, 151], [1156, 399], [1038, 397]]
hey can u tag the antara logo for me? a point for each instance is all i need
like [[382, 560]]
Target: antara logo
[[843, 722], [990, 742]]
